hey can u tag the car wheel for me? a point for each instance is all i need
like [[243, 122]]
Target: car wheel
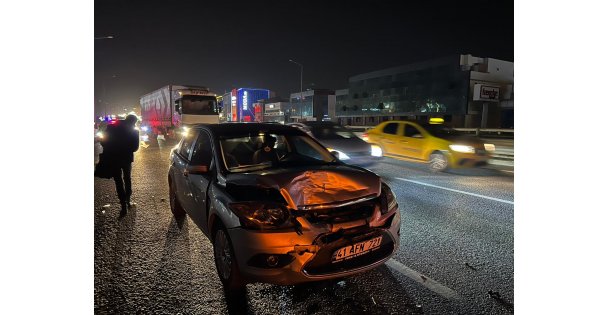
[[438, 162], [176, 208], [225, 262]]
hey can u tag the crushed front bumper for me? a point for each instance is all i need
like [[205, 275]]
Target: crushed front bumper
[[307, 256]]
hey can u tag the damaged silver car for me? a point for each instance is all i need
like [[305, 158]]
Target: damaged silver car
[[278, 207]]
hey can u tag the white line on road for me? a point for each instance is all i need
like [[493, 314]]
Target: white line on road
[[455, 190], [422, 279]]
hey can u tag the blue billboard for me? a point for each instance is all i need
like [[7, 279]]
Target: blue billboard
[[245, 98]]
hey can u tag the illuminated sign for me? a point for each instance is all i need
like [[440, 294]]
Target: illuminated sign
[[245, 100], [486, 93]]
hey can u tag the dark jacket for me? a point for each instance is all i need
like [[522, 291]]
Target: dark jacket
[[119, 143]]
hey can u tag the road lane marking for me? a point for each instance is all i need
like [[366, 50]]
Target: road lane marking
[[456, 190], [422, 279]]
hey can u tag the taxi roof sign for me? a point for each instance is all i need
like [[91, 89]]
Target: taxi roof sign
[[436, 121]]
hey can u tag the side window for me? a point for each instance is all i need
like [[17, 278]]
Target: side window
[[412, 132], [303, 147], [201, 153], [390, 128], [186, 147]]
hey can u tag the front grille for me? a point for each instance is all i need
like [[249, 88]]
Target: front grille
[[321, 264], [362, 210]]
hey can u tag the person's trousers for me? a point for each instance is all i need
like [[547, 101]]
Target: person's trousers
[[122, 178]]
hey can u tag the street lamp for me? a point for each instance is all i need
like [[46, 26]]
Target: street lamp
[[301, 74]]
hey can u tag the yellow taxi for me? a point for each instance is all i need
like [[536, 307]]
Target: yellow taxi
[[433, 143]]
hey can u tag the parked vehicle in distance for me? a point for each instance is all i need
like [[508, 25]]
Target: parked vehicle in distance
[[433, 143], [169, 110], [350, 148], [278, 207]]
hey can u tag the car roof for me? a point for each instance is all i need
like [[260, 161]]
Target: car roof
[[235, 128]]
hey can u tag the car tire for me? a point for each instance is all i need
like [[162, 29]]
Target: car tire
[[438, 162], [225, 262], [176, 207]]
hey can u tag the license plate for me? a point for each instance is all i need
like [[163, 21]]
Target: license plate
[[356, 250]]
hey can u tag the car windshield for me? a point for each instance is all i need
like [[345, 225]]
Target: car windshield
[[441, 131], [331, 132], [258, 151], [199, 105]]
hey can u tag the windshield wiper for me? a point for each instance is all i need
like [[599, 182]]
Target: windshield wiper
[[250, 167]]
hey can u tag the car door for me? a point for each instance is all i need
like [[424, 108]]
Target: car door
[[198, 184], [389, 138], [411, 141], [179, 165]]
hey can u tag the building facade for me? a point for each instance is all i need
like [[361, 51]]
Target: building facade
[[466, 91], [239, 104], [311, 105]]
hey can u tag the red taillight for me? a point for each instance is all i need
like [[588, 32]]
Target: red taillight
[[364, 136]]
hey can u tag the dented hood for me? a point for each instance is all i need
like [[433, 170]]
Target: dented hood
[[309, 186]]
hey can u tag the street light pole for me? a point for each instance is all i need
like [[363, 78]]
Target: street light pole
[[301, 75]]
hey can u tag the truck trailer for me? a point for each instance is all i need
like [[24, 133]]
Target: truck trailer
[[166, 110]]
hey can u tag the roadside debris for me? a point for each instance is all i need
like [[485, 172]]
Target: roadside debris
[[470, 266], [342, 283], [162, 199], [106, 206], [496, 295], [373, 300]]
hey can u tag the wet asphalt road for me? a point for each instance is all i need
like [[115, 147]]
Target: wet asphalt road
[[456, 253]]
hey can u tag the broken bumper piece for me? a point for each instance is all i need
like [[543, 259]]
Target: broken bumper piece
[[287, 257]]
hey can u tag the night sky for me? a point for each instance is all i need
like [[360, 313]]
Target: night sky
[[226, 44]]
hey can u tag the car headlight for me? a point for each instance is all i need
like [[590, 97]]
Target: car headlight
[[489, 147], [341, 155], [387, 199], [99, 135], [376, 150], [462, 148], [258, 215]]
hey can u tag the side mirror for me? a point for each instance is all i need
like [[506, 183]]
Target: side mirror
[[197, 169]]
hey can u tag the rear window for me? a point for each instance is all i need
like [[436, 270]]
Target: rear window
[[390, 128], [331, 132]]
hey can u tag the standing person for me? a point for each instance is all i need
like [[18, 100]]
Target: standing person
[[119, 143]]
